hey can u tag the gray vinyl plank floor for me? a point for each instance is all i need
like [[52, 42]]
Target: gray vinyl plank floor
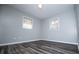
[[33, 49]]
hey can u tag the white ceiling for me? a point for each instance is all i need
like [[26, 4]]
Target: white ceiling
[[47, 11]]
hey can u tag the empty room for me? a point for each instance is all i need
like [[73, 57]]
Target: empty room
[[39, 28]]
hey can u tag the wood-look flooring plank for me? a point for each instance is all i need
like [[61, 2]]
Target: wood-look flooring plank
[[27, 49], [9, 50], [40, 50], [33, 48], [13, 51], [2, 51], [24, 49], [51, 50], [58, 49]]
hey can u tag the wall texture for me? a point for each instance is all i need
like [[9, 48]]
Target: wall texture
[[11, 25], [77, 19], [67, 32], [0, 23]]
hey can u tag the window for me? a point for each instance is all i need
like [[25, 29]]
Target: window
[[27, 23], [55, 24]]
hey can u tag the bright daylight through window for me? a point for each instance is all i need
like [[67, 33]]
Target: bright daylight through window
[[27, 23]]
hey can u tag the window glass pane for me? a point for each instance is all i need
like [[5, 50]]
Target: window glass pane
[[27, 23], [54, 25]]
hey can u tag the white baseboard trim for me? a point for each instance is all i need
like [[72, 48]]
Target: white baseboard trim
[[36, 40], [63, 42], [60, 41], [11, 43]]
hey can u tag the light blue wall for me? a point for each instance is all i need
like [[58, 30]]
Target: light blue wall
[[11, 24], [1, 24], [77, 19], [67, 32]]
